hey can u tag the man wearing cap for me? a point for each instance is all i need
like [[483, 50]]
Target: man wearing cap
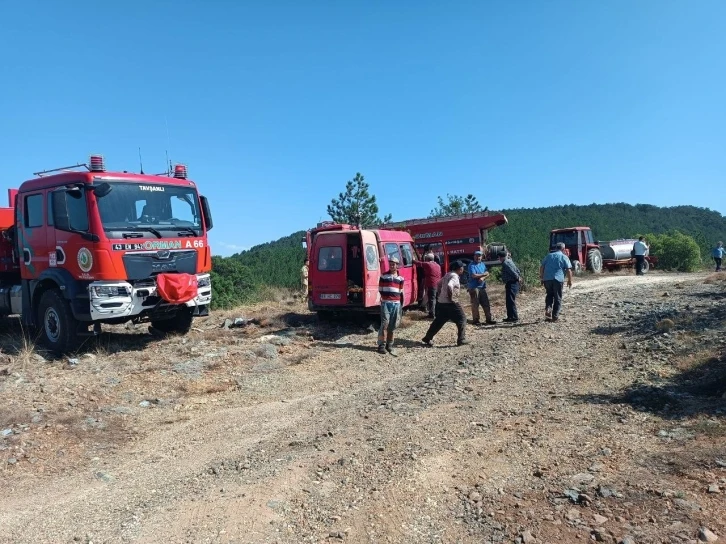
[[478, 290], [448, 307], [511, 277], [390, 287]]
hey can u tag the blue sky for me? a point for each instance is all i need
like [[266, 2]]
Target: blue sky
[[274, 105]]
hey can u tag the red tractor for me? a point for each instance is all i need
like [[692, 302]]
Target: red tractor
[[580, 247]]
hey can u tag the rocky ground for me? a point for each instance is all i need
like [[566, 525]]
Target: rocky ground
[[607, 426]]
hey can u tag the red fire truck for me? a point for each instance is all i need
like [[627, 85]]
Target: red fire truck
[[80, 246], [455, 237]]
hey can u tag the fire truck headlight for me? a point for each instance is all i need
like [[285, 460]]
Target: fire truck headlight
[[107, 291], [204, 281]]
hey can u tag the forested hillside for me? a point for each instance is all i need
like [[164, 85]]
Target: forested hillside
[[239, 278]]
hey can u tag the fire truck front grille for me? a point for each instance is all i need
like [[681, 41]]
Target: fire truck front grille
[[144, 265]]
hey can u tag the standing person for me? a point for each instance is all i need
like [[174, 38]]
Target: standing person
[[448, 307], [718, 252], [390, 286], [304, 272], [478, 290], [640, 250], [511, 278], [552, 274], [432, 276]]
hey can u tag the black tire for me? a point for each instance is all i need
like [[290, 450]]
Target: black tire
[[181, 323], [646, 266], [594, 261], [576, 267], [56, 324]]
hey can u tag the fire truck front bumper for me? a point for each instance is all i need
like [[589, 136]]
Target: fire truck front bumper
[[119, 299]]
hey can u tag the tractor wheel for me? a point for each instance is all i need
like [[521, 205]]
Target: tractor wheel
[[576, 267], [646, 267], [56, 322], [594, 261], [181, 323]]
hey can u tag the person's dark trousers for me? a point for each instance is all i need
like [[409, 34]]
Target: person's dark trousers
[[431, 302], [419, 284], [554, 296], [448, 311], [639, 264], [511, 290], [718, 263]]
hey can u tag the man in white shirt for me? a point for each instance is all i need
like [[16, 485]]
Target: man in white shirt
[[448, 307], [640, 250]]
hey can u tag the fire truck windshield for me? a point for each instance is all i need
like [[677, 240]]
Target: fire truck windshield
[[144, 206]]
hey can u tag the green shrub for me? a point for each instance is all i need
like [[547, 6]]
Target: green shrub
[[675, 251]]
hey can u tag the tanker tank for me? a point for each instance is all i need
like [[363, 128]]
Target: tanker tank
[[617, 249]]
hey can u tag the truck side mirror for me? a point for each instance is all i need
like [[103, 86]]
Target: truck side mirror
[[206, 212], [102, 189], [61, 221]]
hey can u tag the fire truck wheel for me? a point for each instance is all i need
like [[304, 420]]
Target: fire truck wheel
[[181, 322], [56, 322]]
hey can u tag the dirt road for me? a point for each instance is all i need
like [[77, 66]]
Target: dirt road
[[605, 426]]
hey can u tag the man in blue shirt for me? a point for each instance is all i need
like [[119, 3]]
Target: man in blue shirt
[[552, 275], [477, 287], [718, 252]]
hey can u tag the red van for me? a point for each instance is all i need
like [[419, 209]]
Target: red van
[[346, 263]]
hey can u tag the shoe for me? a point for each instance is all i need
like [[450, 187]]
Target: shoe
[[463, 343], [475, 322], [490, 322], [555, 319], [431, 316], [382, 349], [428, 343], [548, 313]]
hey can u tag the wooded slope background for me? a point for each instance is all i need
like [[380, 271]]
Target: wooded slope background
[[242, 277]]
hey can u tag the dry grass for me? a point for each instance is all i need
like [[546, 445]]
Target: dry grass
[[716, 277]]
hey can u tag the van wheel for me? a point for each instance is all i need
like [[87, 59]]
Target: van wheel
[[56, 323], [181, 323]]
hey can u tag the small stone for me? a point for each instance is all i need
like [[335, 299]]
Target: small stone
[[583, 478], [73, 361], [713, 488], [585, 499], [104, 476], [528, 538], [627, 539], [474, 496], [599, 535], [144, 404], [39, 358], [572, 514], [6, 432], [596, 467], [705, 535], [663, 433], [12, 461], [599, 520], [606, 452]]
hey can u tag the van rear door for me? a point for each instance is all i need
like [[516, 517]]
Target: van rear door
[[328, 278], [372, 268]]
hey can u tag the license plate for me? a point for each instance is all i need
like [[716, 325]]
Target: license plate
[[330, 296]]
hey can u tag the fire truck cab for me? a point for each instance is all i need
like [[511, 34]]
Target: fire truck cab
[[80, 246], [346, 263]]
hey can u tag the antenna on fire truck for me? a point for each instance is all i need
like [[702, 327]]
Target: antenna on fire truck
[[141, 164]]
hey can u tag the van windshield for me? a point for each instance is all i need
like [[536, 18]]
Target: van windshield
[[132, 205]]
